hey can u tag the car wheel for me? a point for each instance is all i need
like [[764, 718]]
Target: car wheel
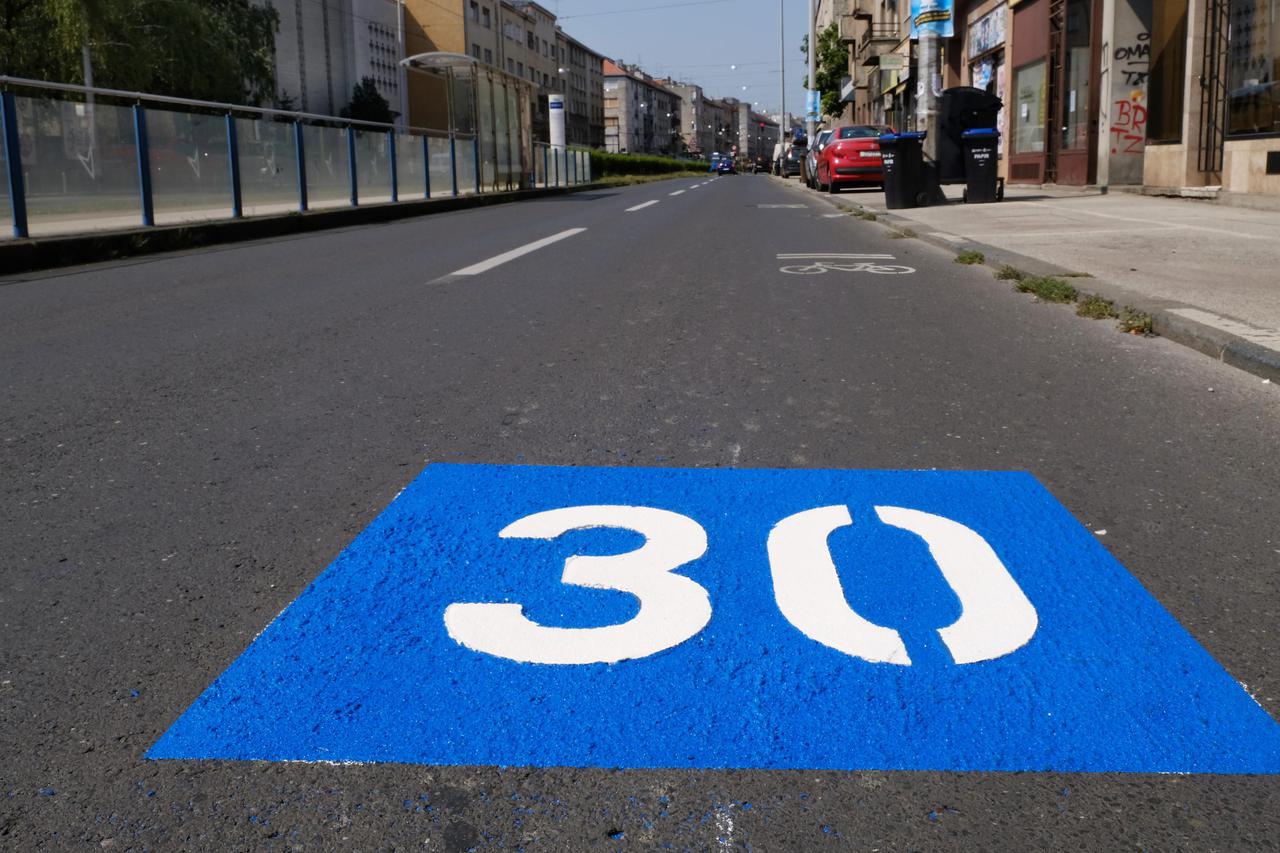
[[832, 188]]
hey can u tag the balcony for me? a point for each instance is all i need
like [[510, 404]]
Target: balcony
[[879, 33]]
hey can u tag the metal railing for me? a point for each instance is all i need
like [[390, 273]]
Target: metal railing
[[77, 159]]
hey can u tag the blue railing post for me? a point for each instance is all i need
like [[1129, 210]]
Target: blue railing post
[[453, 161], [426, 164], [546, 167], [13, 159], [351, 165], [144, 165], [475, 150], [300, 152], [233, 168], [575, 168], [392, 167], [556, 161]]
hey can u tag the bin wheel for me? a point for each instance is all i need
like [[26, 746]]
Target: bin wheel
[[964, 197]]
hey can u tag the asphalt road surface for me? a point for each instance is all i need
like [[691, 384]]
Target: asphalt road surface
[[188, 440]]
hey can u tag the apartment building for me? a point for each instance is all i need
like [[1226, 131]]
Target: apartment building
[[324, 48], [641, 115], [583, 82], [694, 125], [757, 133]]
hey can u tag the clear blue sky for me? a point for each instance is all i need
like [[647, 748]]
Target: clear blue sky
[[699, 42]]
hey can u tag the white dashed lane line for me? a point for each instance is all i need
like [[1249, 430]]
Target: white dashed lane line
[[499, 260], [678, 192], [642, 206]]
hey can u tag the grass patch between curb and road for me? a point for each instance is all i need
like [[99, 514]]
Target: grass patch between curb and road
[[901, 234], [1047, 288], [1096, 308], [969, 256]]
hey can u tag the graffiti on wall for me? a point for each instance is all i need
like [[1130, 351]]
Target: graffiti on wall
[[1129, 111], [1133, 61]]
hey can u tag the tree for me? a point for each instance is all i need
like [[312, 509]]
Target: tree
[[832, 66], [367, 104], [217, 50]]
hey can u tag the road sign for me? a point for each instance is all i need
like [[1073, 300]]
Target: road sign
[[624, 617]]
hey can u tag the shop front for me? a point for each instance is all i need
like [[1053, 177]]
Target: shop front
[[1055, 57]]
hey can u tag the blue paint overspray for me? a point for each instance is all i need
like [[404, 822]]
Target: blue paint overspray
[[360, 668]]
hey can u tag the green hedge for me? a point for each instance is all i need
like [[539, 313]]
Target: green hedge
[[604, 164]]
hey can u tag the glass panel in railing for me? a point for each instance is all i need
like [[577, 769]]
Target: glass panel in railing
[[484, 99], [466, 165], [410, 169], [513, 130], [441, 166], [373, 166], [586, 165], [328, 180], [268, 166], [190, 179], [539, 166], [6, 208], [501, 139], [80, 166]]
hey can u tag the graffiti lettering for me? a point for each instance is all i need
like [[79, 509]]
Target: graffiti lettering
[[1128, 127], [1133, 60]]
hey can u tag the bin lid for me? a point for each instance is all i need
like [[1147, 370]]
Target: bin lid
[[894, 137], [980, 132]]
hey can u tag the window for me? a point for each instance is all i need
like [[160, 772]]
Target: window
[[531, 41], [511, 65], [1168, 71], [488, 56], [475, 12], [546, 50], [488, 22], [1028, 111], [1253, 68], [475, 51], [520, 68]]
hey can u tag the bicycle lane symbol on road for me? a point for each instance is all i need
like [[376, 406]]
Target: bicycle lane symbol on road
[[821, 263], [726, 618]]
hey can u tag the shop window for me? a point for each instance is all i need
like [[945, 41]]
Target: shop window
[[1168, 71], [1028, 112], [1075, 130], [1253, 68]]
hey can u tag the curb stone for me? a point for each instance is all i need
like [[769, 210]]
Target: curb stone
[[1166, 321]]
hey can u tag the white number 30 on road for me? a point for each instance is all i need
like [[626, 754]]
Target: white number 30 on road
[[996, 618]]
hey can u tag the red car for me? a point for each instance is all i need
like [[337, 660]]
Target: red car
[[852, 158]]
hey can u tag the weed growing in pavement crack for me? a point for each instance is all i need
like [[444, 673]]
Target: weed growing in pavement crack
[[1047, 288], [969, 256], [901, 234], [866, 216], [1135, 322], [1096, 308], [1009, 273]]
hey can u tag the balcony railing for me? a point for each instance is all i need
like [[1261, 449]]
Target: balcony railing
[[879, 32]]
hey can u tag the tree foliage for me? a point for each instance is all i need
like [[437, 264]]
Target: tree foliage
[[367, 103], [832, 67], [219, 50]]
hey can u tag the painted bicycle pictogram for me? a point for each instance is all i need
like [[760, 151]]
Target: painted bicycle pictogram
[[821, 264]]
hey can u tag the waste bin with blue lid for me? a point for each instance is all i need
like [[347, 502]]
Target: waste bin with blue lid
[[981, 165], [902, 155]]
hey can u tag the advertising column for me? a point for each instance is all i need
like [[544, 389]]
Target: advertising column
[[555, 108]]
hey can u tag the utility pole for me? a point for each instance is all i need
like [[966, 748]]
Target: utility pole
[[782, 71], [927, 102], [810, 119]]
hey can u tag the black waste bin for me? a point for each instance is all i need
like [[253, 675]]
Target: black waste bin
[[981, 163], [902, 155], [960, 109]]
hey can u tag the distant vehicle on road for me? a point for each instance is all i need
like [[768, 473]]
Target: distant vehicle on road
[[852, 158], [727, 166], [807, 173], [793, 161]]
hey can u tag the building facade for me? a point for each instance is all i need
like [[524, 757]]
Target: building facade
[[757, 134], [325, 48], [583, 81], [641, 115]]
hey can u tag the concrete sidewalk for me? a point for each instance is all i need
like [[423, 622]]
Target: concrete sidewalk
[[1208, 274]]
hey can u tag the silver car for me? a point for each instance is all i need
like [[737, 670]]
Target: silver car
[[809, 172]]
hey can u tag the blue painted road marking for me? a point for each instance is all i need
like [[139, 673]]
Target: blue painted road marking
[[982, 628]]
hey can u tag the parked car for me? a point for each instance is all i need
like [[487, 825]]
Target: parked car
[[793, 161], [852, 158], [808, 172]]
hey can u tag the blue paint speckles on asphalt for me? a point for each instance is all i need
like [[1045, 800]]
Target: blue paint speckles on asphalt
[[360, 668]]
